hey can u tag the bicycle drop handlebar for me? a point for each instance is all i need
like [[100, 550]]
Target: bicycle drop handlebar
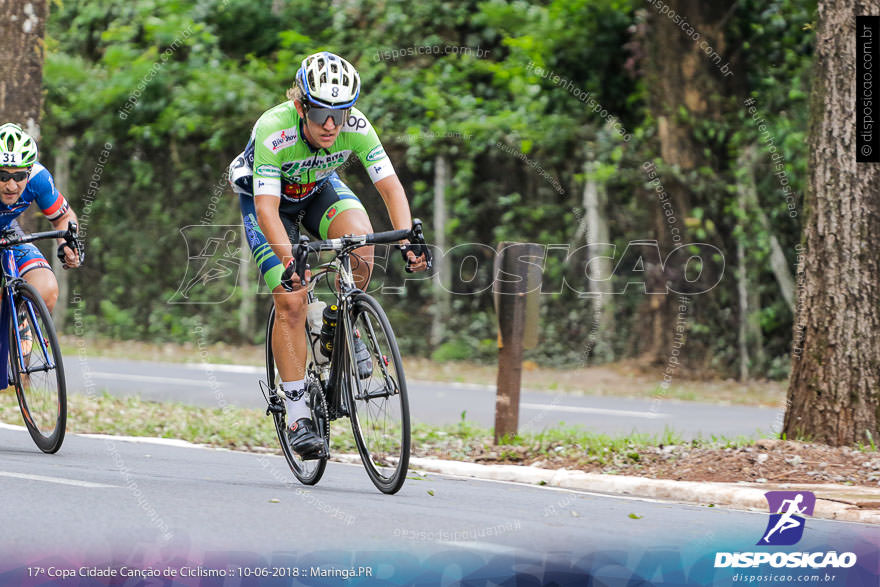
[[301, 250], [9, 239]]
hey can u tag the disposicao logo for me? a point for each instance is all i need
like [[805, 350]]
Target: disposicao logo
[[785, 528], [786, 525]]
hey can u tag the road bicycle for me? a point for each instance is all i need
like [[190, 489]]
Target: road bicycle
[[376, 401], [33, 356]]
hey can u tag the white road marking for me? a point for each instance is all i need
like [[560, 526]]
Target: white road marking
[[145, 440], [225, 368], [149, 378], [57, 480], [602, 411]]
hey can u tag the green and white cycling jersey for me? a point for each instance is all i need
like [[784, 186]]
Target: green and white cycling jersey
[[278, 161]]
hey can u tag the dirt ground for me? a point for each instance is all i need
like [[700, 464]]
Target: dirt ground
[[766, 461]]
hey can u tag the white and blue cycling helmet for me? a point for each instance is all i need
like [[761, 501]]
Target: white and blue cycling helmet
[[328, 81]]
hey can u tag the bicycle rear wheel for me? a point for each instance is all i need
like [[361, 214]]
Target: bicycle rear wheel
[[309, 471], [377, 399], [37, 370]]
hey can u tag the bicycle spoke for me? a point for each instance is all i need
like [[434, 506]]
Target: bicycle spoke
[[380, 416], [37, 370]]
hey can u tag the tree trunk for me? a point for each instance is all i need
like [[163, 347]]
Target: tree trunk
[[742, 291], [834, 388], [751, 347], [62, 180], [21, 70], [778, 264], [681, 76], [595, 228], [442, 276]]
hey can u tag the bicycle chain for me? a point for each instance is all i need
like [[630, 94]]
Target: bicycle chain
[[316, 387]]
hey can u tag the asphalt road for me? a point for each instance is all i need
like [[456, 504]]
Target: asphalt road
[[433, 403], [109, 502]]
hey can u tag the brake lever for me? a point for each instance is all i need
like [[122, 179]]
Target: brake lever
[[301, 258], [71, 240], [418, 246]]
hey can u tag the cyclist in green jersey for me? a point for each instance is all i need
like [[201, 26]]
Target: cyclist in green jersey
[[287, 176]]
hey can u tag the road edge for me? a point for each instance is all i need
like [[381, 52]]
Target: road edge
[[833, 502]]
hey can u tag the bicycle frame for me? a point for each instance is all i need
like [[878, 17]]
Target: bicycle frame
[[330, 374], [10, 279]]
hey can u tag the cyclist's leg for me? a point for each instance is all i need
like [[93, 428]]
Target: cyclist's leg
[[288, 333], [335, 212], [289, 345], [37, 271]]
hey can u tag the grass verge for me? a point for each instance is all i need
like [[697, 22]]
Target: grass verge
[[623, 379], [245, 429], [663, 456]]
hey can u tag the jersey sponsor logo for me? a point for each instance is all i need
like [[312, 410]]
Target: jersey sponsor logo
[[297, 191], [377, 172], [249, 224], [356, 123], [281, 139], [292, 169], [268, 171], [376, 154], [331, 213]]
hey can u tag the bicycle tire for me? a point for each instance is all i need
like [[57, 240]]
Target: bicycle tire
[[43, 404], [308, 472], [378, 403]]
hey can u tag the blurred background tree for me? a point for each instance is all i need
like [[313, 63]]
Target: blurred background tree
[[501, 146]]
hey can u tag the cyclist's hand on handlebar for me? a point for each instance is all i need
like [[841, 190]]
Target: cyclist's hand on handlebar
[[70, 252], [297, 274], [291, 281], [413, 263], [68, 256]]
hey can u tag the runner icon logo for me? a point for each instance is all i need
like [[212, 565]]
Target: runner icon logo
[[786, 524]]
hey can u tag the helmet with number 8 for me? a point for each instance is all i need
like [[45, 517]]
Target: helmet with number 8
[[17, 148], [328, 81]]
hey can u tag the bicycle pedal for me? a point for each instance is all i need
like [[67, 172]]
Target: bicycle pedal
[[315, 456]]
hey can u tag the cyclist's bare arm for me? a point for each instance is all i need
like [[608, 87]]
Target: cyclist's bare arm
[[394, 196], [71, 259]]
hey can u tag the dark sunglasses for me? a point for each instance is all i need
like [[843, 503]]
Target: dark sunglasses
[[17, 176], [320, 115]]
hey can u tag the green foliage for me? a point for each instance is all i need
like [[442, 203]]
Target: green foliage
[[174, 87]]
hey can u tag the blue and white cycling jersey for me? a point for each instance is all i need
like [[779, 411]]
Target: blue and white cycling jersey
[[40, 189]]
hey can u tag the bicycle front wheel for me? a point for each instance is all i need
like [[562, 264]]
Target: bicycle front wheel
[[376, 391], [36, 369]]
